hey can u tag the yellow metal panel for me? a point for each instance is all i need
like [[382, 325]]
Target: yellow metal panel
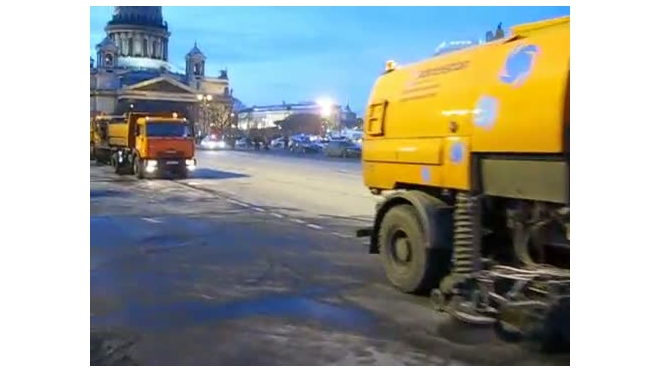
[[515, 85], [456, 171], [446, 166], [506, 96], [414, 151], [526, 116], [118, 134], [381, 174]]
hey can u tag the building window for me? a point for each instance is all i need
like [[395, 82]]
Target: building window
[[154, 50], [130, 46], [108, 61], [145, 50]]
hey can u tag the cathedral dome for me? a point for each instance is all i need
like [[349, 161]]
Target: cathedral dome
[[149, 16], [139, 32]]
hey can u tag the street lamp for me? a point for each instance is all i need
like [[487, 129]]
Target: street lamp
[[326, 107]]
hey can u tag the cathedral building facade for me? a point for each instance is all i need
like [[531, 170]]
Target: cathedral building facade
[[132, 72]]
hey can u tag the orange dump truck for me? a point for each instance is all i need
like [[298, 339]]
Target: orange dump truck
[[145, 144]]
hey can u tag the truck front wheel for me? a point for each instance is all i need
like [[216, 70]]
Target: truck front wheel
[[138, 167], [115, 164], [409, 265]]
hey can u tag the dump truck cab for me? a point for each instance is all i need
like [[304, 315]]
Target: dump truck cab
[[160, 144]]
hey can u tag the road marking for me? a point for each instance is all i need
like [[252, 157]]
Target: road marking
[[193, 183], [277, 215], [151, 220], [239, 203], [258, 209], [314, 226], [206, 297], [342, 235], [298, 221]]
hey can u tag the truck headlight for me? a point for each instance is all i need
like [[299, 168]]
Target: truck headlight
[[152, 163]]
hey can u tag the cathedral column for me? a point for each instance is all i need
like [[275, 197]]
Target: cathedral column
[[145, 51], [137, 43], [124, 43], [150, 45], [120, 43], [157, 48], [137, 48]]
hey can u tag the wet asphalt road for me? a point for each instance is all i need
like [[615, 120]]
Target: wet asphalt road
[[231, 267]]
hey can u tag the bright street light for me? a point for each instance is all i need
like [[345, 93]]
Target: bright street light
[[326, 106]]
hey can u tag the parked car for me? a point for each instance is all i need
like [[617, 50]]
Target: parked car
[[342, 148], [304, 146], [277, 142], [211, 142], [241, 143], [323, 142]]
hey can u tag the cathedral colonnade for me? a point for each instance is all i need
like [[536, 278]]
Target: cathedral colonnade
[[140, 44]]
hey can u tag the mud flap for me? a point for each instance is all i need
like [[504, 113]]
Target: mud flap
[[364, 232], [368, 232]]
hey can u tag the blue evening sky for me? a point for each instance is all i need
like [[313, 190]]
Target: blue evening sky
[[302, 53]]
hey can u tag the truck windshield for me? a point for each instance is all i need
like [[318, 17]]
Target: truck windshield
[[168, 129]]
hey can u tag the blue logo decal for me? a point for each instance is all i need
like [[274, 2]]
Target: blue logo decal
[[519, 64], [486, 111], [456, 152], [426, 174]]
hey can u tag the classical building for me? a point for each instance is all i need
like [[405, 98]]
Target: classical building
[[132, 71], [264, 117], [348, 118]]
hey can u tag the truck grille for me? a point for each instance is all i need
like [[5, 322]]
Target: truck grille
[[170, 154]]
